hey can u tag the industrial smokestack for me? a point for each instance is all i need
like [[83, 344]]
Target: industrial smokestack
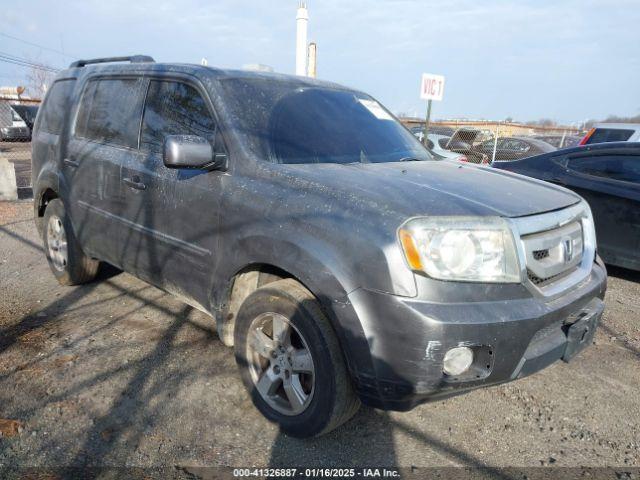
[[302, 19], [313, 58]]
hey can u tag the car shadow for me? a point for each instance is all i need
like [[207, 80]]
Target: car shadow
[[623, 273], [365, 440]]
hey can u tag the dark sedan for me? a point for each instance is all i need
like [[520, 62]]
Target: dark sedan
[[607, 175], [514, 148]]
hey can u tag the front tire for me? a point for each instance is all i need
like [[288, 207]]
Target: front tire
[[66, 259], [291, 362]]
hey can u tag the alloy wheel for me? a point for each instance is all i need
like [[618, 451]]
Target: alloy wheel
[[280, 363], [57, 243]]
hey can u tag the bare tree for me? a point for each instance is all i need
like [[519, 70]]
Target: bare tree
[[617, 119], [38, 80]]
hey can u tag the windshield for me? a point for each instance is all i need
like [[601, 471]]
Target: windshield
[[286, 122]]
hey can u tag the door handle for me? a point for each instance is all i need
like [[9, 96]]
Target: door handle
[[71, 163], [135, 183]]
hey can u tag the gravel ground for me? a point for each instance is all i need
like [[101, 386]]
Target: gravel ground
[[117, 372]]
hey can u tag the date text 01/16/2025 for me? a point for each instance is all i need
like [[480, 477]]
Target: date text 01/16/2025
[[316, 472]]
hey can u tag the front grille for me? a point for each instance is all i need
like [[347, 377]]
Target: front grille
[[540, 254], [556, 248], [553, 254], [541, 282]]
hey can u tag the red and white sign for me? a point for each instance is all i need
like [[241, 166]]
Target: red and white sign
[[432, 87]]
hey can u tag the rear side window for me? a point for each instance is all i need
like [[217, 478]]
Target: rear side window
[[603, 135], [174, 108], [55, 106], [624, 168], [110, 111]]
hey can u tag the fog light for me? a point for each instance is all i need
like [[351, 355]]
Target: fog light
[[457, 360]]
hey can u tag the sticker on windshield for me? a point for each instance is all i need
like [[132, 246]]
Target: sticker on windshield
[[376, 109]]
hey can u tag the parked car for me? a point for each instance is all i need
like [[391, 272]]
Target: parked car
[[612, 132], [27, 113], [461, 142], [339, 259], [15, 134], [446, 147], [435, 129], [514, 148], [607, 176], [17, 130], [560, 141], [438, 143]]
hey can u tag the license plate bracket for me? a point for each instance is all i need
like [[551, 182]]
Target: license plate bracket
[[580, 334]]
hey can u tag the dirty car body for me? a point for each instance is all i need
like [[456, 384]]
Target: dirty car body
[[291, 192]]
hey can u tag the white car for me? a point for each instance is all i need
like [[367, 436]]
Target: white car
[[437, 143], [612, 132]]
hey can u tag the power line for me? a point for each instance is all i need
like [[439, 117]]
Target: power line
[[23, 62], [35, 45]]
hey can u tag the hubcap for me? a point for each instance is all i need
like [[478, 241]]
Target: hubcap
[[280, 363], [57, 243]]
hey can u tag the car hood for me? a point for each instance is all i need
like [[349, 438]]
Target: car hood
[[433, 188]]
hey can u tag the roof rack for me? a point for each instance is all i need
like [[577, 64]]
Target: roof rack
[[132, 59]]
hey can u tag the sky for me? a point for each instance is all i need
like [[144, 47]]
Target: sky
[[567, 60]]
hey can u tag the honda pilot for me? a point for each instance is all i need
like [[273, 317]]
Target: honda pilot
[[343, 263]]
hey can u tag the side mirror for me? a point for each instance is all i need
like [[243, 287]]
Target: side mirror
[[190, 151]]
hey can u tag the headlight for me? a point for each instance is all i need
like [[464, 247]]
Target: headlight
[[469, 249]]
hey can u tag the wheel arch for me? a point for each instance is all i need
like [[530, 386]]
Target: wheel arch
[[328, 286], [48, 188]]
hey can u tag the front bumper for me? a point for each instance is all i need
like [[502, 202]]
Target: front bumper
[[408, 339]]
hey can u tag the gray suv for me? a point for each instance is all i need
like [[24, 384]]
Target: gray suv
[[340, 259]]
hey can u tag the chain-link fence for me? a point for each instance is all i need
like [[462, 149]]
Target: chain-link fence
[[487, 142], [16, 123]]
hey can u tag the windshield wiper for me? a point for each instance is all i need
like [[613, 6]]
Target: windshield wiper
[[410, 159]]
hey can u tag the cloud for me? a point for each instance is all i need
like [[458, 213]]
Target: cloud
[[527, 59]]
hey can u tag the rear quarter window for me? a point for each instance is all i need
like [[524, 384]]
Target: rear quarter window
[[625, 168], [603, 135], [110, 111], [55, 107]]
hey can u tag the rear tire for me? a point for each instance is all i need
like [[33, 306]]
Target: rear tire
[[66, 259], [311, 360]]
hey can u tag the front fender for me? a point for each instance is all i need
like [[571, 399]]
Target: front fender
[[321, 270]]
